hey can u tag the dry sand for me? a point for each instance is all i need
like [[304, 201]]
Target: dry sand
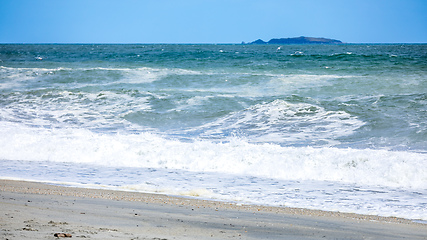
[[31, 210]]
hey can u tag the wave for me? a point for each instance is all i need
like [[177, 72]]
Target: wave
[[13, 77], [284, 122], [79, 74], [63, 109], [237, 156], [147, 74]]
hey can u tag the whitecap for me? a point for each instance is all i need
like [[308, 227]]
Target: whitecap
[[283, 122]]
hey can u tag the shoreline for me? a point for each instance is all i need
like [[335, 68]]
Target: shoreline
[[34, 210], [32, 187]]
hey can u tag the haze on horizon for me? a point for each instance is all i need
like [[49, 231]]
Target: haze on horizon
[[211, 21]]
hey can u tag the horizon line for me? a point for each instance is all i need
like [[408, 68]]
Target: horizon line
[[189, 43]]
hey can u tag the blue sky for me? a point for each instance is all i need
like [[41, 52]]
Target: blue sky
[[211, 21]]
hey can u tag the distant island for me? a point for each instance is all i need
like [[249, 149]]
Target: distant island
[[298, 40]]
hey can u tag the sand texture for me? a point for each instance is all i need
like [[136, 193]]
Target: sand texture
[[31, 210]]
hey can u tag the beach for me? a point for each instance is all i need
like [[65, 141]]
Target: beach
[[31, 210], [328, 127], [234, 140]]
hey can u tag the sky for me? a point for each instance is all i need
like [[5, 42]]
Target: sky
[[211, 21]]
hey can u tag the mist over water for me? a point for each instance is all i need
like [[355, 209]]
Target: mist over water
[[343, 124]]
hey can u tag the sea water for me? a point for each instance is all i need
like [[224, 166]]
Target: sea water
[[330, 127]]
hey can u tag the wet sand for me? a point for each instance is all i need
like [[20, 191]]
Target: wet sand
[[30, 210]]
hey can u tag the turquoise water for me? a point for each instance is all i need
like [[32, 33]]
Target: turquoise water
[[326, 117]]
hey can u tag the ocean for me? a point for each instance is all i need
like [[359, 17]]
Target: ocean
[[328, 127]]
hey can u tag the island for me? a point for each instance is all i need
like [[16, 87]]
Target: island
[[298, 40]]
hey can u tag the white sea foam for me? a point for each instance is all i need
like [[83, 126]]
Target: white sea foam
[[282, 84], [13, 77], [312, 194], [292, 82], [130, 75], [281, 121], [65, 108], [147, 74], [377, 182], [366, 167]]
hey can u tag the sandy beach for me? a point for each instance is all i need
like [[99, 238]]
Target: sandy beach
[[32, 210]]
